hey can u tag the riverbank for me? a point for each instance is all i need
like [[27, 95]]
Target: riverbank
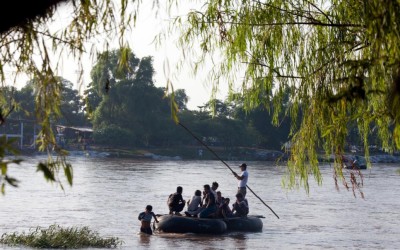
[[185, 153], [201, 153]]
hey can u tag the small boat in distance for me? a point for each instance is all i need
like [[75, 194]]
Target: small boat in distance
[[354, 162], [183, 224]]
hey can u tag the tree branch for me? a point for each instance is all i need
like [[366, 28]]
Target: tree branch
[[312, 23], [320, 11], [297, 14], [315, 23], [278, 74]]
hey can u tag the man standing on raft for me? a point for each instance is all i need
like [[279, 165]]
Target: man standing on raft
[[243, 177]]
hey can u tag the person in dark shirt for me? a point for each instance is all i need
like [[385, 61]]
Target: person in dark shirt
[[225, 210], [210, 207], [241, 206], [176, 203]]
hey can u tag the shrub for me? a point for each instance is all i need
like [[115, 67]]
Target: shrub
[[113, 135], [58, 237]]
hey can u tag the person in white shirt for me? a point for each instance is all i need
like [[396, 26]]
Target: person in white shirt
[[214, 188], [194, 204], [243, 177]]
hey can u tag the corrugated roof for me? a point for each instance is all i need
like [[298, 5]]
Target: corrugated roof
[[81, 129]]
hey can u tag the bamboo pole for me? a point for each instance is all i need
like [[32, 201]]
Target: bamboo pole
[[219, 158]]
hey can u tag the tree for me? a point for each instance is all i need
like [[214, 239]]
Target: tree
[[23, 103], [270, 136], [181, 99], [274, 131], [133, 112], [217, 108], [30, 44], [339, 60], [108, 69]]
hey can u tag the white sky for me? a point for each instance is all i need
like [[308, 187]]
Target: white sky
[[166, 56]]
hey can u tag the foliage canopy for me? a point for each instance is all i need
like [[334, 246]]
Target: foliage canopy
[[31, 43], [338, 60]]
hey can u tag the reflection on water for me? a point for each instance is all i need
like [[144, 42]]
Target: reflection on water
[[108, 194], [144, 239]]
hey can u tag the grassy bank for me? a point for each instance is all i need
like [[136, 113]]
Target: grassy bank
[[57, 237]]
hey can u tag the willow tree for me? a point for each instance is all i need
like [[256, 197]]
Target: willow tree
[[338, 60], [33, 41]]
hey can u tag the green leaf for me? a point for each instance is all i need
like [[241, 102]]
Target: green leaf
[[48, 174], [3, 168], [68, 173], [12, 181]]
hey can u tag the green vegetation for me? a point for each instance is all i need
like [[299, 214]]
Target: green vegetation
[[337, 62], [57, 237]]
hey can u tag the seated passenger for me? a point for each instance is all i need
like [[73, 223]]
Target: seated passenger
[[241, 206], [219, 199], [175, 202], [194, 204], [219, 202], [214, 187], [225, 210], [209, 207]]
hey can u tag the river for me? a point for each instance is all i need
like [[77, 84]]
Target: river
[[108, 194]]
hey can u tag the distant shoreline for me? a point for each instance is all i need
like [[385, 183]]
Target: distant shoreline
[[199, 153]]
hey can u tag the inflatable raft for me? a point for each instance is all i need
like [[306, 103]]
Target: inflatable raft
[[244, 224], [183, 224], [355, 162]]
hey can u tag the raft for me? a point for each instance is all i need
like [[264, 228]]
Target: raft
[[244, 224], [354, 162], [183, 224]]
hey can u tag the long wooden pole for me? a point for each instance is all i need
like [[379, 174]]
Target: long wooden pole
[[219, 158]]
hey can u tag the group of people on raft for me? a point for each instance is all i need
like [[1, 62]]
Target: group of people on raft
[[211, 205]]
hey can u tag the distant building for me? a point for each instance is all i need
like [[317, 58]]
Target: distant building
[[81, 135], [24, 131]]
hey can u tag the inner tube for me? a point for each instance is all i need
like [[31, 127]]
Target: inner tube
[[244, 224], [183, 224], [356, 167]]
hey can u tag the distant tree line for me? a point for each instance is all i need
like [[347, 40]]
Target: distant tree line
[[126, 109]]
